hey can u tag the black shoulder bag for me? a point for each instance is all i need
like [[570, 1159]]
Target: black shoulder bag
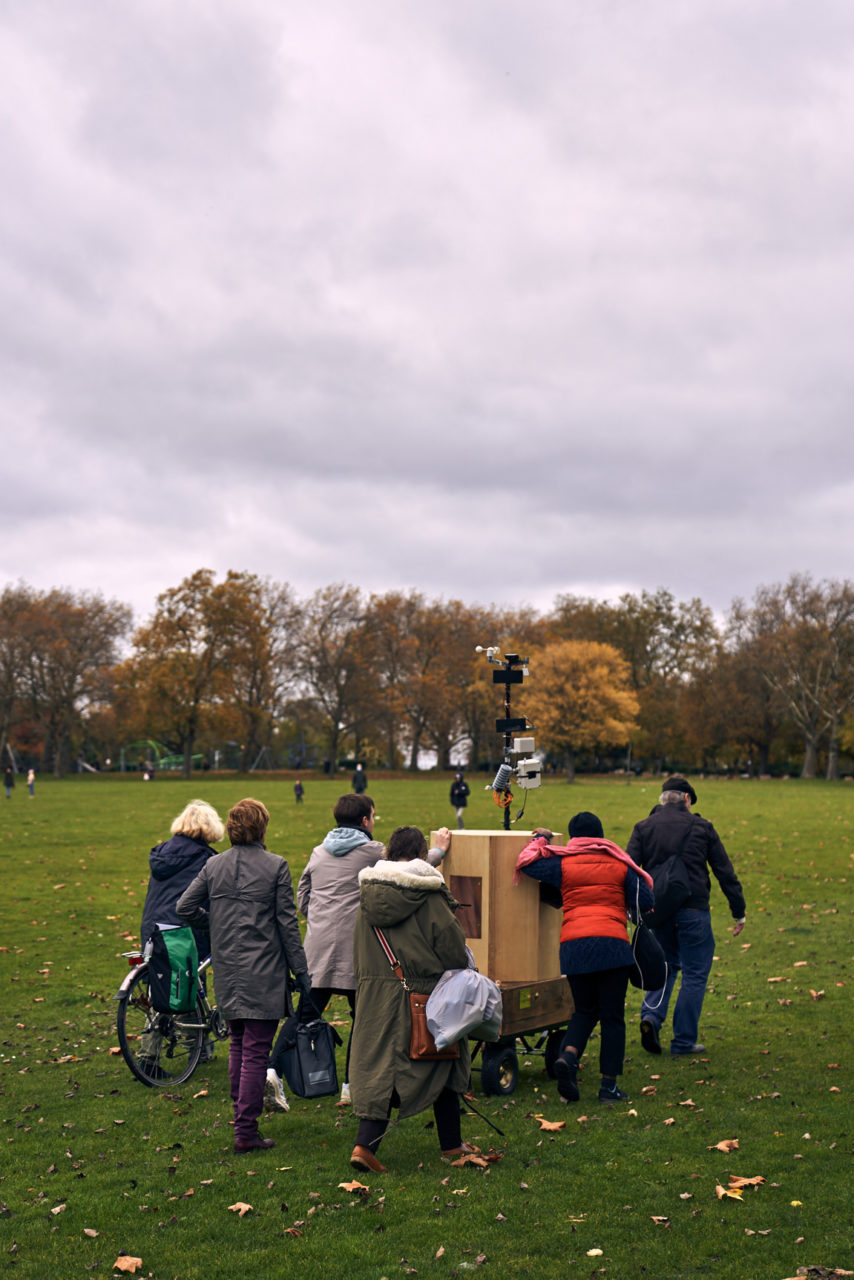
[[672, 886]]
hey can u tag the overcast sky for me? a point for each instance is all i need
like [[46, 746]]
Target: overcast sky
[[493, 299]]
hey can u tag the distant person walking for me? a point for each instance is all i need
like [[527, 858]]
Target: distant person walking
[[9, 781], [460, 796], [31, 782], [360, 781], [299, 791]]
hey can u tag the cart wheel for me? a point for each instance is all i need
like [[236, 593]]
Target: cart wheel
[[552, 1050], [499, 1069]]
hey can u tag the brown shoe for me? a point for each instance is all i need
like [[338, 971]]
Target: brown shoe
[[365, 1160], [257, 1143], [465, 1150]]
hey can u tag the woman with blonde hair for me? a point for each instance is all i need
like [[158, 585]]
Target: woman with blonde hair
[[175, 863]]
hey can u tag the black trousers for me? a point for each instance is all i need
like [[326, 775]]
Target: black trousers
[[446, 1110], [600, 997], [321, 997]]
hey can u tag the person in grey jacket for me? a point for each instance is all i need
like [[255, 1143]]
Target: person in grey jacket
[[328, 896], [245, 898]]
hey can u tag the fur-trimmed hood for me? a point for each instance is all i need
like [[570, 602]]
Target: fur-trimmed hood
[[390, 892]]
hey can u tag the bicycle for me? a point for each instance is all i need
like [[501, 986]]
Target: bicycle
[[163, 1049]]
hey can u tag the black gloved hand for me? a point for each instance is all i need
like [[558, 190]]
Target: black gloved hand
[[307, 1010]]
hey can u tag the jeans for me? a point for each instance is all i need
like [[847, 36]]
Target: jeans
[[688, 944]]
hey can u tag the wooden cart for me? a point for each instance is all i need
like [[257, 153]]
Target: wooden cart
[[515, 939]]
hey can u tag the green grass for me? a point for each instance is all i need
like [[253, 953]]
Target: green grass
[[78, 1131]]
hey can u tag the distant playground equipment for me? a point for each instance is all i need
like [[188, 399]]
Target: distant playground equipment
[[149, 754]]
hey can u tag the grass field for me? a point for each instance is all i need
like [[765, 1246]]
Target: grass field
[[95, 1163]]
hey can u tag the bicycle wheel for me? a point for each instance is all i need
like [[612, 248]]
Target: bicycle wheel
[[161, 1049]]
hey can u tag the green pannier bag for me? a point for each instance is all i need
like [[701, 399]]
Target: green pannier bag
[[173, 969]]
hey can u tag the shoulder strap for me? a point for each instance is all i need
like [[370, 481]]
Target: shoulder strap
[[390, 956]]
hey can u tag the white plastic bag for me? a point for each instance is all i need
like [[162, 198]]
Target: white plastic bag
[[464, 1003]]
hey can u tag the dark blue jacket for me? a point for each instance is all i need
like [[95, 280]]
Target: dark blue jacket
[[174, 866]]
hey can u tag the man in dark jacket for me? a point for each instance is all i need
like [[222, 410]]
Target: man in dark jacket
[[687, 938]]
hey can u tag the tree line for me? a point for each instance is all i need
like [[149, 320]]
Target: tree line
[[645, 681]]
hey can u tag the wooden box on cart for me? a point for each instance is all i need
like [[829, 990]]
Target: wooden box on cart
[[514, 937]]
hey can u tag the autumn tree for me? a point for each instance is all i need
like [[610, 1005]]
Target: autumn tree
[[580, 698], [71, 645], [178, 667], [260, 619], [665, 642], [333, 663], [15, 602], [801, 635]]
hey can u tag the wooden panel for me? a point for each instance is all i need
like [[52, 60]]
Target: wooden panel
[[514, 938], [534, 1006]]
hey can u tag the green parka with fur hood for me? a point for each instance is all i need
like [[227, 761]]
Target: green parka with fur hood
[[410, 903]]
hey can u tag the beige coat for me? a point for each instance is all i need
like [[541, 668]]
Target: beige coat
[[328, 896]]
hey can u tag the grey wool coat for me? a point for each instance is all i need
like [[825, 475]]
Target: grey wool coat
[[410, 903], [328, 896], [245, 898]]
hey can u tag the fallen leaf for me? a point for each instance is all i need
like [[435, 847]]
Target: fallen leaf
[[689, 1102], [463, 1191], [551, 1126], [240, 1207], [90, 1231], [662, 1222], [727, 1145], [800, 964], [796, 1204], [736, 1181], [580, 1119], [686, 1195], [669, 1120], [292, 1231], [594, 1253], [203, 1093], [354, 1186], [59, 1208], [778, 979], [478, 1161], [722, 1192], [440, 1252], [816, 995], [124, 1262]]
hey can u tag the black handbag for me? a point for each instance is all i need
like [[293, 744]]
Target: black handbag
[[308, 1063], [649, 971]]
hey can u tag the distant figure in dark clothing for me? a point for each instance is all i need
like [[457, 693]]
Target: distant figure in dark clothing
[[360, 781], [299, 791], [9, 780], [459, 796]]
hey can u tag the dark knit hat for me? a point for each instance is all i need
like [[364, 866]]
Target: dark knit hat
[[678, 783], [585, 824]]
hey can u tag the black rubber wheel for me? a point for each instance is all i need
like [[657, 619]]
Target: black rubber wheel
[[161, 1049], [499, 1069], [552, 1050]]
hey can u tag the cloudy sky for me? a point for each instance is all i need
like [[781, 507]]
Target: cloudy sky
[[492, 298]]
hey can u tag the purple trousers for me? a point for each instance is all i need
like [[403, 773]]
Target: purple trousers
[[249, 1051]]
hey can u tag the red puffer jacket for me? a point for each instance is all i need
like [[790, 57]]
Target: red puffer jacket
[[594, 901]]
